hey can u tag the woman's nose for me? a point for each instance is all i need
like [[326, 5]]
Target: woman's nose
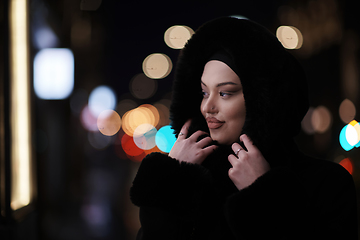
[[209, 106]]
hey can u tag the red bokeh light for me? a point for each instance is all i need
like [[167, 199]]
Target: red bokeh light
[[347, 164]]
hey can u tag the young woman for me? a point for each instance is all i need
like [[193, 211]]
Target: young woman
[[234, 171]]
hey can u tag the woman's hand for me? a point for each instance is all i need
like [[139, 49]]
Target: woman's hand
[[248, 165], [188, 150]]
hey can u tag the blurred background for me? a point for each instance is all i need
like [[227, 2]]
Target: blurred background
[[85, 94]]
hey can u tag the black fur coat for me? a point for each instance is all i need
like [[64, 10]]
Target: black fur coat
[[299, 198]]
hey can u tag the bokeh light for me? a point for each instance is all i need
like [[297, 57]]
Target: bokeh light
[[347, 164], [347, 111], [290, 37], [119, 151], [142, 87], [355, 133], [321, 119], [165, 138], [140, 115], [87, 119], [350, 136], [132, 151], [177, 36], [109, 122], [157, 66], [306, 123], [155, 116], [44, 37], [54, 73], [100, 99], [144, 136]]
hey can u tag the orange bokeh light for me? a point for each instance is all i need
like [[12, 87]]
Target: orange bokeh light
[[144, 114]]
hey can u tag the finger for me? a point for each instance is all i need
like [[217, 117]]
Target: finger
[[247, 142], [204, 142], [232, 159], [184, 130], [208, 150], [197, 134], [235, 147], [230, 172]]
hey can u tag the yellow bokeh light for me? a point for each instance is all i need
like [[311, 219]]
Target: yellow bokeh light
[[157, 66], [109, 122], [177, 36], [290, 37], [321, 119], [347, 111], [154, 112], [138, 116]]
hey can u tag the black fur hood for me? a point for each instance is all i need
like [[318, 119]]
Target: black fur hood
[[274, 83]]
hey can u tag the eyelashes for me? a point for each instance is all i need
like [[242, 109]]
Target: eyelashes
[[221, 94]]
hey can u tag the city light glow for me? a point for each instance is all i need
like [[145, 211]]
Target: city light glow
[[347, 111], [109, 122], [347, 164], [165, 138], [21, 152], [101, 98], [350, 136], [157, 66], [177, 36], [54, 73], [290, 37]]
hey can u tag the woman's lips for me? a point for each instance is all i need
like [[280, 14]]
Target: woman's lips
[[214, 123]]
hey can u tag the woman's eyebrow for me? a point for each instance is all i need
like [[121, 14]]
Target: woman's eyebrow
[[226, 83], [221, 84]]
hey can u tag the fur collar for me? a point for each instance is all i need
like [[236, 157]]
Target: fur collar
[[274, 83]]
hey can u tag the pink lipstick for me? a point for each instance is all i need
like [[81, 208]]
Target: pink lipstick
[[214, 123]]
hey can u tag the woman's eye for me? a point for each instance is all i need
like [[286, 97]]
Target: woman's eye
[[223, 94], [205, 94]]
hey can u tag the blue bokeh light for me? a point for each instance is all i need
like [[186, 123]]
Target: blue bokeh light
[[100, 99], [343, 141], [165, 138]]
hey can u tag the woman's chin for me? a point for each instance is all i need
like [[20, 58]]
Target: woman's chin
[[222, 141]]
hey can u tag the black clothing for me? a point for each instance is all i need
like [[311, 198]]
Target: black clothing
[[308, 199], [298, 198]]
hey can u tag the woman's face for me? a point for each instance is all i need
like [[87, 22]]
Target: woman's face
[[223, 104]]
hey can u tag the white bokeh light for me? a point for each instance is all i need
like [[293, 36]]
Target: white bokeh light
[[351, 135], [54, 73]]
